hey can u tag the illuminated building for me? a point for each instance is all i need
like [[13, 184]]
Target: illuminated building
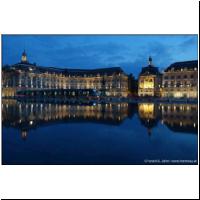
[[25, 76], [150, 80], [180, 79]]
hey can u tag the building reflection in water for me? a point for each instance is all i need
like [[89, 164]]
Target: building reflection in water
[[180, 117], [26, 116], [177, 117], [149, 114]]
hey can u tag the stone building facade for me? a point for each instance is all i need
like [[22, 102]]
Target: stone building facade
[[26, 76], [180, 79], [150, 79]]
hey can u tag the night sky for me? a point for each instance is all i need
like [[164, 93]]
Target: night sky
[[130, 52]]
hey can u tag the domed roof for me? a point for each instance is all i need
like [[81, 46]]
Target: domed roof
[[150, 69]]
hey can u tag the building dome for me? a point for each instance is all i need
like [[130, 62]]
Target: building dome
[[150, 69]]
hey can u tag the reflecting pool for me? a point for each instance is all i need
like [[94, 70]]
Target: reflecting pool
[[110, 133]]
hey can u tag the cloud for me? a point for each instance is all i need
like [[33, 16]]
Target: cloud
[[161, 54], [131, 53], [189, 42], [88, 55], [187, 46]]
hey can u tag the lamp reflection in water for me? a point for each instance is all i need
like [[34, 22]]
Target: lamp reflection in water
[[24, 134], [180, 117], [26, 116]]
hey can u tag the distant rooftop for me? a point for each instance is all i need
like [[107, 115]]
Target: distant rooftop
[[177, 66], [108, 71], [150, 69], [68, 71], [26, 66]]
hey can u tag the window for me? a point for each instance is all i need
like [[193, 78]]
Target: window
[[185, 84], [178, 84]]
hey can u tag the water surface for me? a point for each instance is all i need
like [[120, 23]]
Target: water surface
[[115, 133]]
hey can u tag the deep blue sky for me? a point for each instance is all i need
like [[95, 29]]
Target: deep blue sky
[[130, 52]]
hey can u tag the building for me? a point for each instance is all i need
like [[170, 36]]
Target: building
[[180, 79], [150, 80], [25, 76]]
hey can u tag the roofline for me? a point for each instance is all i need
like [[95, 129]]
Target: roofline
[[179, 63], [68, 70]]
